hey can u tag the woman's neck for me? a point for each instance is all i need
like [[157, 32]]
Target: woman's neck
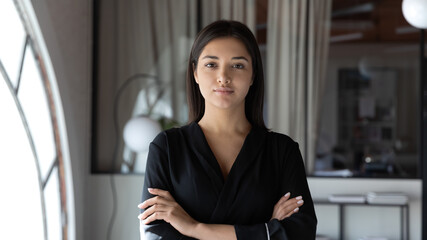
[[225, 120]]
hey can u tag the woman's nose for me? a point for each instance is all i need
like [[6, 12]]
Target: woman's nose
[[223, 77]]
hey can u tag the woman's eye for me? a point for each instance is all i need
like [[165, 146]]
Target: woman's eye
[[238, 66], [210, 65]]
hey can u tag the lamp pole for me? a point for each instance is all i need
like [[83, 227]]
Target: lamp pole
[[414, 12], [423, 126]]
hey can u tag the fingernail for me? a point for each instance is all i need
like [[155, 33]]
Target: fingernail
[[150, 189], [287, 194], [140, 205], [299, 198], [300, 201], [296, 209], [140, 216]]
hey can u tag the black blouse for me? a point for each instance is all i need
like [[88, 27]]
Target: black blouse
[[268, 166]]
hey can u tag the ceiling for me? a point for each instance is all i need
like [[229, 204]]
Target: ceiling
[[362, 21]]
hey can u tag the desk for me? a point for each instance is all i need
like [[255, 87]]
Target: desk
[[404, 215]]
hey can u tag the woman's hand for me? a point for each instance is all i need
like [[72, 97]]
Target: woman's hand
[[285, 207], [164, 207]]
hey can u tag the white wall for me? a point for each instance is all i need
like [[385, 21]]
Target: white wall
[[126, 224], [66, 26]]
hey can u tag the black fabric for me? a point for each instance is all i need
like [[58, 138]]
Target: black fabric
[[268, 166], [256, 231]]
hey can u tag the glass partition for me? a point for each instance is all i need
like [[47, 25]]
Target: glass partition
[[369, 123]]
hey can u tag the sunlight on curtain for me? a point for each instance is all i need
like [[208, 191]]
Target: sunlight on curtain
[[296, 67]]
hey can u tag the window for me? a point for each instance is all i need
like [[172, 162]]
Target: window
[[369, 124], [33, 185]]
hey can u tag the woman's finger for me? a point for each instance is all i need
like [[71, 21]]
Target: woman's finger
[[292, 204], [284, 198], [283, 213], [160, 196], [281, 201], [155, 216], [292, 212], [289, 202], [293, 208], [154, 200], [285, 209], [160, 192], [152, 209]]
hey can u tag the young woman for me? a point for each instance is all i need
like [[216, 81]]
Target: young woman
[[224, 175]]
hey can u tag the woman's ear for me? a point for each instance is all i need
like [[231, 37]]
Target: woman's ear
[[195, 74]]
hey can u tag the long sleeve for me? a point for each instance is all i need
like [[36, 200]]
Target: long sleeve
[[301, 225], [157, 176]]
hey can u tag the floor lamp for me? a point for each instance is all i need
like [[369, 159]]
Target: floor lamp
[[138, 132], [414, 12]]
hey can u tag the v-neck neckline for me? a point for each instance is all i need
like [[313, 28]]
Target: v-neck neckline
[[227, 188], [212, 156]]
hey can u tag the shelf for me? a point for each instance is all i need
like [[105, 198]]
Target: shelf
[[404, 214]]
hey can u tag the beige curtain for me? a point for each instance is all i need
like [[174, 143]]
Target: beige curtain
[[295, 69], [319, 30], [239, 10], [153, 37]]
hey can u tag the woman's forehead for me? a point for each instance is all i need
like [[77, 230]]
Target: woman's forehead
[[228, 47]]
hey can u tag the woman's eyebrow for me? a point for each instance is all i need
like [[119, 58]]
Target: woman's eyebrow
[[241, 57], [211, 57], [233, 58]]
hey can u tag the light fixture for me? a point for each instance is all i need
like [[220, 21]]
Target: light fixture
[[139, 131], [415, 12]]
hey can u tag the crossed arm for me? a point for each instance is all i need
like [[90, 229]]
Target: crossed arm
[[164, 207]]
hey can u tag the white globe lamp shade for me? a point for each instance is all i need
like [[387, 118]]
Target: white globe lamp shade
[[415, 12], [139, 132]]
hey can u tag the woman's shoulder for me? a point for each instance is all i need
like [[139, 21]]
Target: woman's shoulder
[[180, 130], [280, 138], [174, 134]]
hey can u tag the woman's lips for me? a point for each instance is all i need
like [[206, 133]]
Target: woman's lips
[[223, 90]]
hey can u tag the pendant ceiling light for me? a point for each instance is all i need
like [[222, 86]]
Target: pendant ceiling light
[[415, 12]]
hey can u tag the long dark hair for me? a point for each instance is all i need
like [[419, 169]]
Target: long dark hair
[[255, 98]]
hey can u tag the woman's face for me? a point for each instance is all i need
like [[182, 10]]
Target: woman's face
[[224, 73]]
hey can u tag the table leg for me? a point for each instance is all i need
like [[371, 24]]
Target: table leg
[[342, 225]]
